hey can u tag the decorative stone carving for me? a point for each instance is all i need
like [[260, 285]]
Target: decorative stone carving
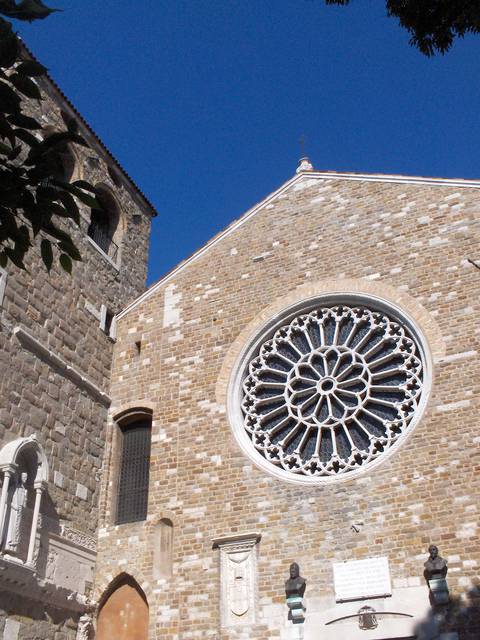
[[17, 506], [238, 568], [332, 390], [78, 537], [85, 628], [52, 560], [25, 474], [67, 565]]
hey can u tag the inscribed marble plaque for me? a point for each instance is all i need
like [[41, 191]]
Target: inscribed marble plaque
[[358, 579], [238, 578]]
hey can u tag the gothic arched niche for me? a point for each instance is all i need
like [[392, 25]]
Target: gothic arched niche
[[124, 612], [163, 549], [67, 165], [24, 476], [107, 224]]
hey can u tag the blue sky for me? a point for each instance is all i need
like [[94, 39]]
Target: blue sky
[[204, 101]]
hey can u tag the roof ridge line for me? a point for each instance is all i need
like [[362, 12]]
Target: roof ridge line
[[90, 130], [326, 175], [205, 247]]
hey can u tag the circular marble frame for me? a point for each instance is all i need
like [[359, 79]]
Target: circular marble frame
[[267, 330]]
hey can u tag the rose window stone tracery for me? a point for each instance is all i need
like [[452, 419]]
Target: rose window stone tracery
[[332, 390]]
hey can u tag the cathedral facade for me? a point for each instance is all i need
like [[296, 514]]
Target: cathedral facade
[[303, 390]]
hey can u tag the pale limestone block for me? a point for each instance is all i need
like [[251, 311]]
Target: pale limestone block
[[11, 630], [81, 492]]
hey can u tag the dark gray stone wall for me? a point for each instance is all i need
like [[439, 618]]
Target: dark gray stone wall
[[35, 620], [62, 313]]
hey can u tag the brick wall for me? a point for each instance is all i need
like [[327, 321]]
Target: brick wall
[[408, 243]]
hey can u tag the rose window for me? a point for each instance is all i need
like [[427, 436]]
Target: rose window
[[332, 390]]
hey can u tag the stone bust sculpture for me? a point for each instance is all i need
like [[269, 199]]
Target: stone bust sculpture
[[295, 585], [435, 566]]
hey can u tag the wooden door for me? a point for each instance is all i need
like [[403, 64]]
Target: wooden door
[[124, 615]]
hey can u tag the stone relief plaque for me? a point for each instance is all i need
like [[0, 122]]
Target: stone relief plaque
[[359, 579], [238, 569]]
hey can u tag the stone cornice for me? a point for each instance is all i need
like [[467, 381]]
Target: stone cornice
[[23, 580], [237, 538], [54, 360]]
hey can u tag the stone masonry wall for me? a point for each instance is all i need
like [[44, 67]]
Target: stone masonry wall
[[409, 243], [62, 313]]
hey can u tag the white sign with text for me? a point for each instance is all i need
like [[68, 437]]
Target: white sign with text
[[358, 579]]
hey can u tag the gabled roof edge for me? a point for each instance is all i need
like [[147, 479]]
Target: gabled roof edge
[[325, 175], [48, 78], [219, 236]]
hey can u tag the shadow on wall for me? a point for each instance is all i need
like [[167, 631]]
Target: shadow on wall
[[457, 620], [36, 617]]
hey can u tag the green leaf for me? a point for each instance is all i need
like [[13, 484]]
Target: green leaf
[[28, 10], [31, 68], [46, 193], [26, 86], [23, 239], [47, 253], [55, 142], [72, 126], [8, 221], [5, 149], [71, 249], [16, 256], [9, 100], [28, 199], [14, 153], [66, 263], [56, 233], [90, 201], [3, 259], [37, 218], [83, 184], [69, 203], [26, 137], [6, 131], [39, 172], [58, 210], [20, 120], [9, 45]]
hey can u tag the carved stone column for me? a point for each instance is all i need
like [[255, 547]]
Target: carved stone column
[[238, 578], [39, 488], [8, 472], [85, 627]]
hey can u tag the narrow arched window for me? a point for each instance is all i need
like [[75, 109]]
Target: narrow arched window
[[63, 161], [105, 227], [133, 477]]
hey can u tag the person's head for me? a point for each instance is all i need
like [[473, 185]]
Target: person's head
[[433, 551], [294, 570]]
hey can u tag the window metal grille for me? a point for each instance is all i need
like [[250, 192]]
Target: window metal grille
[[101, 236], [134, 473]]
